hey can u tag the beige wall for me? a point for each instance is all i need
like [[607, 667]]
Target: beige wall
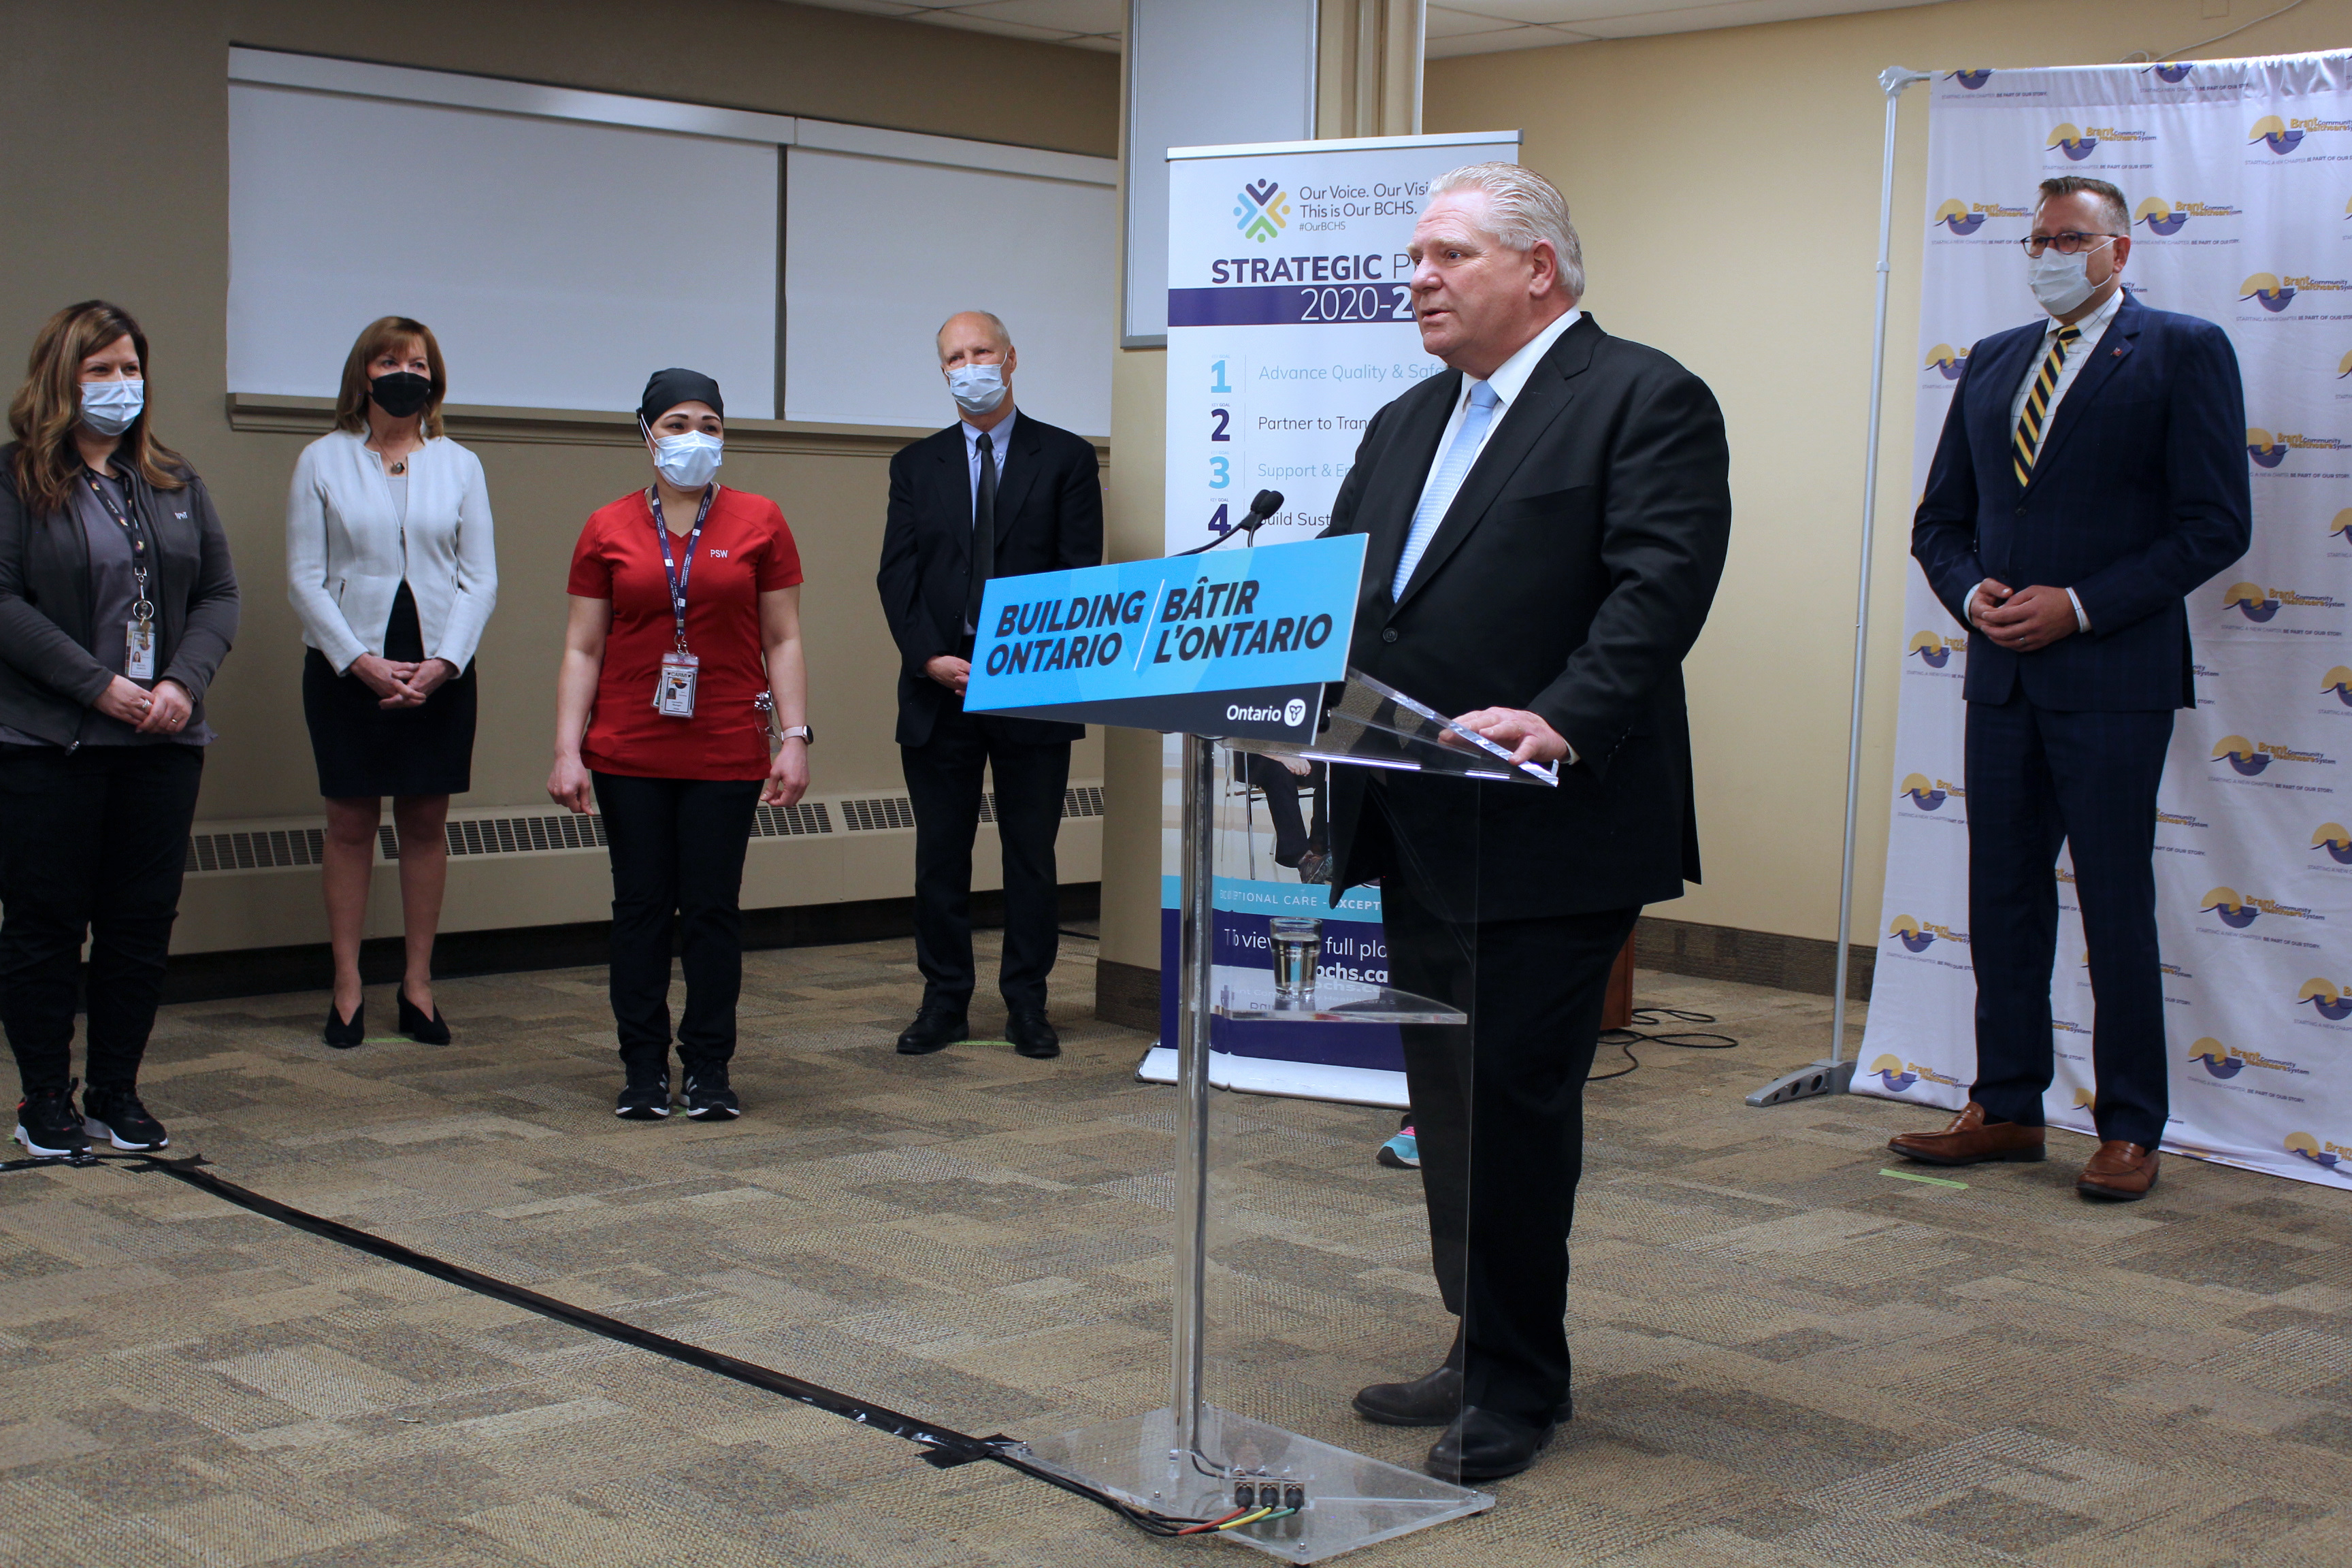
[[1724, 186], [114, 116]]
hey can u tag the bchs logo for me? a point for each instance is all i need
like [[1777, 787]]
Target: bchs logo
[[2235, 912], [2343, 369], [2267, 291], [2218, 1059], [2074, 143], [2326, 1000], [1956, 216], [1262, 211], [1889, 1071], [2251, 600], [1970, 79], [1948, 358], [2339, 679], [2272, 133], [2328, 1157], [2342, 527], [1934, 650], [1919, 936], [2264, 447], [2163, 218], [2244, 755], [2338, 842], [1929, 795], [2173, 73]]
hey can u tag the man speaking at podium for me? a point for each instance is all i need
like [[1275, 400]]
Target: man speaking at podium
[[1546, 525]]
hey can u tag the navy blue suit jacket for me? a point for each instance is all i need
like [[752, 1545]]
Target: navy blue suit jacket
[[2139, 495]]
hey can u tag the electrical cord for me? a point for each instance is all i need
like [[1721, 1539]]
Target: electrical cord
[[943, 1447], [1650, 1018]]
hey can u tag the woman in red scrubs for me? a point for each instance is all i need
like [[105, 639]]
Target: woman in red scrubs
[[683, 647]]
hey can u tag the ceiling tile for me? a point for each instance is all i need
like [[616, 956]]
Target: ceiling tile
[[971, 22], [1497, 43], [1062, 16], [1448, 24], [871, 7], [1106, 42], [1633, 19]]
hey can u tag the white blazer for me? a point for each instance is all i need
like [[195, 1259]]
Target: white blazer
[[347, 552]]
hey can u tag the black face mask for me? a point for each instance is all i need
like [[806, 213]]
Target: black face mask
[[401, 394]]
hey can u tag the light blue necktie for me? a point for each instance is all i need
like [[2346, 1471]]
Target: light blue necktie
[[1448, 481]]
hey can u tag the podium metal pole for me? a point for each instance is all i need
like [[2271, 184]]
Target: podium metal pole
[[1192, 1005]]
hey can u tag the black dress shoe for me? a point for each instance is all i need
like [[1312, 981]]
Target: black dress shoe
[[1486, 1446], [342, 1033], [934, 1029], [1032, 1035], [1433, 1399], [424, 1031]]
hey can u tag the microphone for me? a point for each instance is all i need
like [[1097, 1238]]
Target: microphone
[[1267, 503]]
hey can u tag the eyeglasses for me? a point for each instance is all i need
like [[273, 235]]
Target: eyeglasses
[[2069, 243]]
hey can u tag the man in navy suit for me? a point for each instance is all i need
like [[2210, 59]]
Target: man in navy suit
[[2091, 473]]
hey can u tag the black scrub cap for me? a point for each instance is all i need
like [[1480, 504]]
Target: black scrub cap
[[668, 388]]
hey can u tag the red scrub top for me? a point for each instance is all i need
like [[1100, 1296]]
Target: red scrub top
[[746, 549]]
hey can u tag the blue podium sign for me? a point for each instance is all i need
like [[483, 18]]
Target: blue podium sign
[[1230, 643]]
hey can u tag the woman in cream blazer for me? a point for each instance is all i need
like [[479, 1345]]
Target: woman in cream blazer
[[392, 570]]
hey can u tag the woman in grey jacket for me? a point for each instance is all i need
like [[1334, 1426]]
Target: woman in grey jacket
[[117, 604]]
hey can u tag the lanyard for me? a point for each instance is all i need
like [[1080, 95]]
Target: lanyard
[[144, 610], [679, 575]]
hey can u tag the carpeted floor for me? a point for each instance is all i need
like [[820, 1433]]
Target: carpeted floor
[[1786, 1356]]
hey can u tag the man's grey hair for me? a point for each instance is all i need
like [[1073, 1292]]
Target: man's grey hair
[[1002, 337], [2113, 208], [1526, 208]]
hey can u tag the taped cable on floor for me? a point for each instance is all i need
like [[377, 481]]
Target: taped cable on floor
[[943, 1447]]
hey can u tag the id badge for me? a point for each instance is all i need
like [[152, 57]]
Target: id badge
[[674, 691], [139, 649]]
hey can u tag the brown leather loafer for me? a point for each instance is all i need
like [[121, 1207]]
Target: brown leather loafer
[[2120, 1171], [1972, 1140]]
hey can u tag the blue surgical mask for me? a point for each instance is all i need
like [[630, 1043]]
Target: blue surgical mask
[[977, 388], [109, 407], [688, 461]]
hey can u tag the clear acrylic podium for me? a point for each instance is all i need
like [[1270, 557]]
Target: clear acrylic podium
[[1224, 1446]]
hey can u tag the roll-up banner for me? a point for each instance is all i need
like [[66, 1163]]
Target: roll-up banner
[[2238, 175], [1289, 325]]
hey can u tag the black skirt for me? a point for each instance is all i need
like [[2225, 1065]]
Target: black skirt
[[363, 750]]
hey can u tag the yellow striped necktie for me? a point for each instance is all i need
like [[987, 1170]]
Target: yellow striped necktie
[[2028, 439]]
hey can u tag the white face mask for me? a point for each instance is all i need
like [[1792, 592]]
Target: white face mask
[[977, 388], [686, 461], [109, 406], [2060, 283]]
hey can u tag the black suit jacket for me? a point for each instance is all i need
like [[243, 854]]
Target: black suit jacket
[[1570, 576], [1048, 519]]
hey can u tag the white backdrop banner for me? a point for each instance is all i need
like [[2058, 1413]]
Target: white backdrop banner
[[1289, 325], [2239, 177]]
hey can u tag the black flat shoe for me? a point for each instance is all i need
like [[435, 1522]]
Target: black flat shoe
[[342, 1033], [424, 1031], [934, 1029], [1487, 1445], [1032, 1037]]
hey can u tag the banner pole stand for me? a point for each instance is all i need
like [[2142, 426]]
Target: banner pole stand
[[1836, 1075]]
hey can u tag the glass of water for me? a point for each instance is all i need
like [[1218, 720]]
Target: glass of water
[[1297, 945]]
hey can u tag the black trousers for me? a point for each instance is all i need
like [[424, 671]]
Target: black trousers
[[92, 841], [943, 777], [2038, 777], [677, 855], [1498, 1107], [1292, 838]]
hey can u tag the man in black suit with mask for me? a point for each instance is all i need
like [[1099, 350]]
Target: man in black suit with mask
[[996, 494], [1547, 523]]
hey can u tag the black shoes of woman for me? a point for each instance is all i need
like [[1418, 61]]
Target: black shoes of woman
[[424, 1031], [342, 1033]]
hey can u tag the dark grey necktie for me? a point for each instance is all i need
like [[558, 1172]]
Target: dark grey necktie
[[983, 534]]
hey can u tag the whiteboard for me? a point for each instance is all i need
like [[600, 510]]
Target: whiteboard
[[560, 262], [878, 251]]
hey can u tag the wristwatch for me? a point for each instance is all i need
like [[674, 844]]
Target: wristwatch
[[807, 735]]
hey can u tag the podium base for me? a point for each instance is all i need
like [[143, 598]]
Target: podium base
[[1351, 1500]]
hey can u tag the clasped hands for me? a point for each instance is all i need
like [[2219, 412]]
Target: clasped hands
[[398, 684], [164, 711], [2023, 620]]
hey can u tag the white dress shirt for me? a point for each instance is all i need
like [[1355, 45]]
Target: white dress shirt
[[2078, 355]]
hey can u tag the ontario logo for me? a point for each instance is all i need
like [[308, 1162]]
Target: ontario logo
[[2328, 1156], [1964, 218], [2284, 136], [1929, 795], [2249, 758], [2228, 1061], [1951, 361], [1919, 936], [2238, 912], [2275, 293], [1898, 1074], [2080, 142], [1936, 650], [2268, 451], [2163, 217], [1970, 80], [1261, 211], [2333, 837], [2259, 603], [2324, 999]]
